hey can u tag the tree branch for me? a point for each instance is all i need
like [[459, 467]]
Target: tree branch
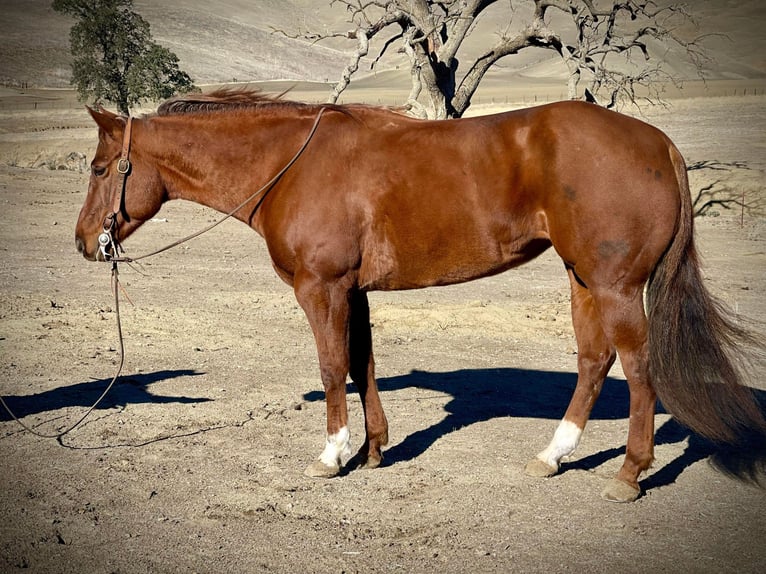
[[612, 47], [363, 47]]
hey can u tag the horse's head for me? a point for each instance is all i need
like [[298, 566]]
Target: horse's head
[[124, 190]]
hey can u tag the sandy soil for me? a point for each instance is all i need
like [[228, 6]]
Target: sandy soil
[[195, 462]]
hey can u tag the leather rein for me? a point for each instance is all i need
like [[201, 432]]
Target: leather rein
[[108, 242], [110, 248]]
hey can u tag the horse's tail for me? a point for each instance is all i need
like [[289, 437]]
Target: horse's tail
[[696, 350]]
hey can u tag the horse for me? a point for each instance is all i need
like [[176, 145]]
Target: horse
[[366, 198]]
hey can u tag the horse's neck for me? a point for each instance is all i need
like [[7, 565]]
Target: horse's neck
[[220, 164]]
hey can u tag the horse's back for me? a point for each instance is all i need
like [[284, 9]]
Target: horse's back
[[419, 203]]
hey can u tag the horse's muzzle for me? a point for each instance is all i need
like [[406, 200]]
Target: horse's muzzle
[[81, 248]]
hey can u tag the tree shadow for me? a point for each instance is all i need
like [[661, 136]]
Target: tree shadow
[[483, 394], [128, 390]]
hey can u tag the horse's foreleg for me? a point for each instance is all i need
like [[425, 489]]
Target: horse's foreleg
[[363, 374], [626, 326], [595, 356], [327, 308]]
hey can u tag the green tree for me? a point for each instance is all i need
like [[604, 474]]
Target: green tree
[[115, 58]]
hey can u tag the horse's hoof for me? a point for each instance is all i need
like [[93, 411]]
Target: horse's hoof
[[363, 459], [540, 469], [371, 462], [318, 469], [619, 491]]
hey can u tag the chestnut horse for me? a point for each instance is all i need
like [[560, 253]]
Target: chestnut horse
[[369, 199]]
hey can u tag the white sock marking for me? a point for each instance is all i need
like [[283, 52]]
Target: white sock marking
[[564, 443], [338, 445]]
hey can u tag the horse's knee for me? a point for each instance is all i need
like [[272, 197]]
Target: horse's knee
[[594, 364]]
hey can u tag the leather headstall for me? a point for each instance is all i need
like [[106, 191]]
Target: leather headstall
[[107, 239]]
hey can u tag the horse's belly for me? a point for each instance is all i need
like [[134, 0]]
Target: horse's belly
[[389, 268]]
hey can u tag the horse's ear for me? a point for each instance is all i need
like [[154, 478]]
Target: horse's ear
[[109, 123]]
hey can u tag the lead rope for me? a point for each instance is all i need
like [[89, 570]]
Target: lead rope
[[108, 241], [115, 290]]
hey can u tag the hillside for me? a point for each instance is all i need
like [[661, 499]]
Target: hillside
[[234, 40]]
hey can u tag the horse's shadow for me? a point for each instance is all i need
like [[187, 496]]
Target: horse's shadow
[[128, 390], [483, 394]]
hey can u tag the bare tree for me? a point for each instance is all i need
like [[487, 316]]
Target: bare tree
[[609, 48], [721, 192]]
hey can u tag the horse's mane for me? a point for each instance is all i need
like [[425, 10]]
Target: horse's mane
[[226, 99]]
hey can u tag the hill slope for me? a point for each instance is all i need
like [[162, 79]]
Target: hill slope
[[231, 40]]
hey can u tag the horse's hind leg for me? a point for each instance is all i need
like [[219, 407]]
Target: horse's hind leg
[[625, 324], [363, 374], [595, 356]]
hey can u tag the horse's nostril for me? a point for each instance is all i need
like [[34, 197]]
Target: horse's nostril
[[79, 244]]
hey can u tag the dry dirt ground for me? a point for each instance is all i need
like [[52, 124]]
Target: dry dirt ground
[[195, 462]]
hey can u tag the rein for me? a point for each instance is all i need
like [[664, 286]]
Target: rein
[[110, 247], [109, 244], [60, 434]]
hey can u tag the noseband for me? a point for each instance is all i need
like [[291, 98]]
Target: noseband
[[107, 241]]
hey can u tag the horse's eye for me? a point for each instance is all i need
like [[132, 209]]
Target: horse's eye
[[98, 171]]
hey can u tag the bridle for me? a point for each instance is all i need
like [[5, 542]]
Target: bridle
[[109, 248], [107, 241]]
